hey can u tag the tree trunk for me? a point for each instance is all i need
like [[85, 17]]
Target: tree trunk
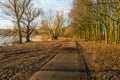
[[106, 36], [28, 38], [19, 31], [55, 37], [28, 34]]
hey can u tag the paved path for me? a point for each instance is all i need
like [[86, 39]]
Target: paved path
[[64, 66]]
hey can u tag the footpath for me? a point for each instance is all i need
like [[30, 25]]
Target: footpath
[[66, 65]]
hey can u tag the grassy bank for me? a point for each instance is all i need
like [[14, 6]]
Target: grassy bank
[[103, 60], [19, 62]]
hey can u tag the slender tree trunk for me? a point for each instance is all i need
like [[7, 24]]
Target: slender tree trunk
[[94, 35], [116, 34], [111, 34], [99, 34], [119, 35], [106, 36], [28, 34], [20, 33]]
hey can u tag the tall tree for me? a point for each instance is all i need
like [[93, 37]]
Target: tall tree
[[96, 20], [55, 23], [81, 22], [30, 20], [15, 9]]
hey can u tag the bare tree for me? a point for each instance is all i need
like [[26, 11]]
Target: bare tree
[[44, 29], [29, 20], [56, 22], [14, 10]]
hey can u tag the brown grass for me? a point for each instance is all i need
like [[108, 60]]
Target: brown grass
[[103, 60], [17, 65]]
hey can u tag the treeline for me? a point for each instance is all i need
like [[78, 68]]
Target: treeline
[[97, 20]]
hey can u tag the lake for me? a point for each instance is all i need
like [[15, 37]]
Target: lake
[[5, 40], [8, 40]]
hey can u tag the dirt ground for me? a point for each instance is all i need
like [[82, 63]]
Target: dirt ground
[[19, 62], [102, 60]]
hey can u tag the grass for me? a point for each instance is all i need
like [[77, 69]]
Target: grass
[[19, 62], [14, 66], [103, 60]]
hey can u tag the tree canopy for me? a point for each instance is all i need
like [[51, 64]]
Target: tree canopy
[[97, 20]]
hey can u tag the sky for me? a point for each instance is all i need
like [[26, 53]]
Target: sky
[[46, 5]]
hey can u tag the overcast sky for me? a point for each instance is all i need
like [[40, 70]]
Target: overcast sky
[[55, 5]]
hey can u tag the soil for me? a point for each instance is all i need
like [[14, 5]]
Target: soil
[[102, 60], [19, 62]]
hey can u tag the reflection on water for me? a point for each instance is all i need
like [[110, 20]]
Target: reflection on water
[[5, 40], [8, 40]]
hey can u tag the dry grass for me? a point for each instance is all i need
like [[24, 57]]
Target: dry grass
[[19, 62], [103, 60]]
